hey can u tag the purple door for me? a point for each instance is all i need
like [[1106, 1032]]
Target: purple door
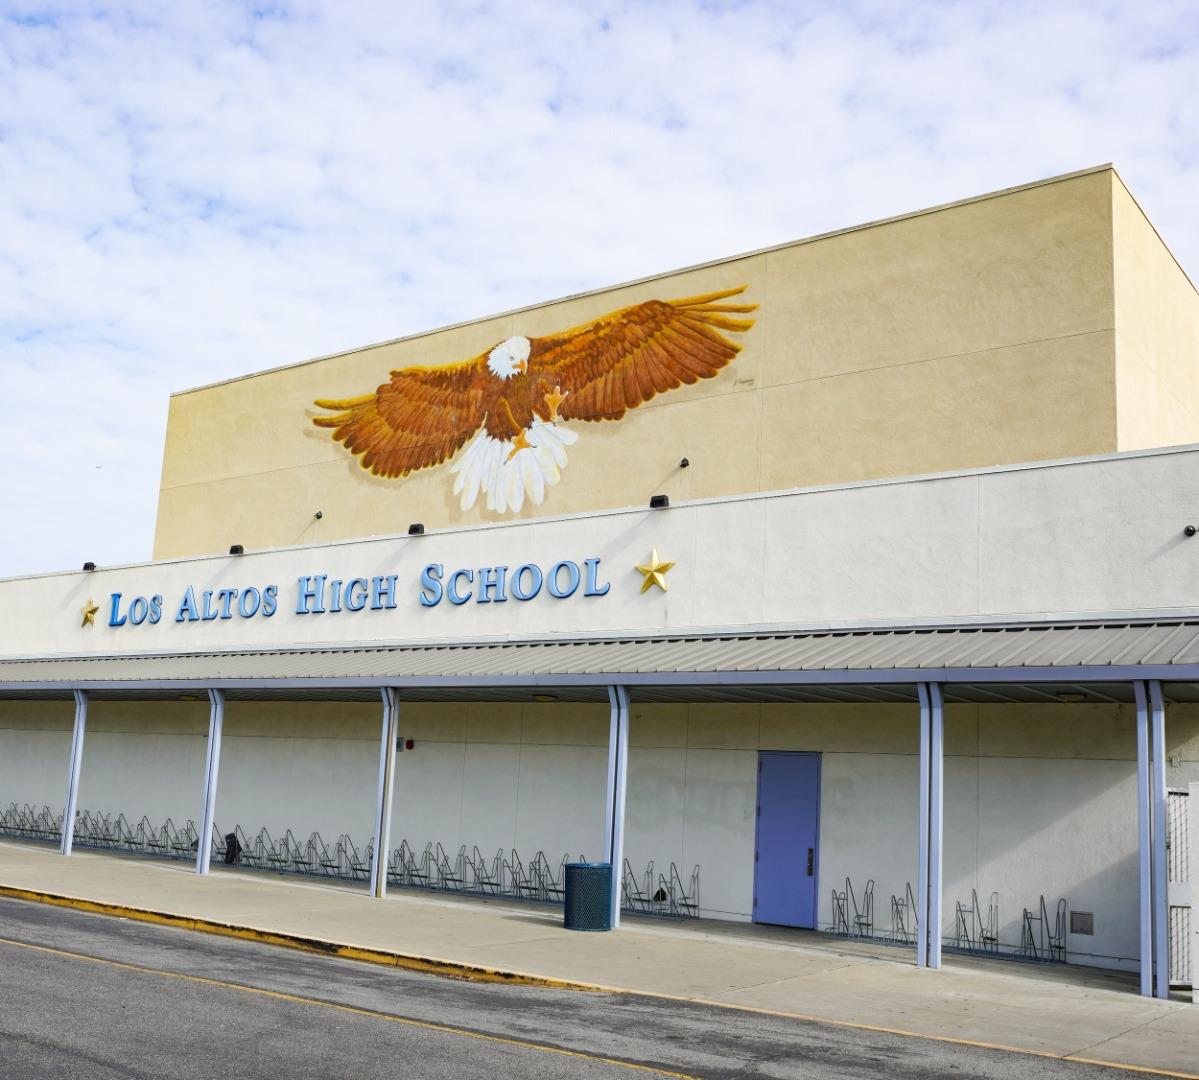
[[787, 857]]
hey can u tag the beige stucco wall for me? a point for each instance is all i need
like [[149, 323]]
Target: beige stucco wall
[[1157, 334], [971, 335]]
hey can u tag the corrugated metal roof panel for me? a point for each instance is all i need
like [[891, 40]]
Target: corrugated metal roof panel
[[960, 648], [1188, 650]]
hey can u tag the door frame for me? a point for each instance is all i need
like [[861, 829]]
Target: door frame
[[819, 756]]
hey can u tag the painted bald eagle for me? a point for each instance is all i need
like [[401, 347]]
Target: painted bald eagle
[[515, 398]]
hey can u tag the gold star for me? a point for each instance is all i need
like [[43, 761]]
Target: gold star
[[88, 611], [521, 442], [553, 400], [655, 572]]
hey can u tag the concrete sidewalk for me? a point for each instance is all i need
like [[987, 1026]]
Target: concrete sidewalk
[[1066, 1012]]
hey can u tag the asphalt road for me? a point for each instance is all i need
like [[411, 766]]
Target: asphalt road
[[98, 998]]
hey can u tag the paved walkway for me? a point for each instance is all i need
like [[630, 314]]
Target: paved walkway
[[1063, 1012]]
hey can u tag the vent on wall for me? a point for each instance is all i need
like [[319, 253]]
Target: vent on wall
[[1082, 922]]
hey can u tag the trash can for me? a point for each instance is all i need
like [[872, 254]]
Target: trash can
[[588, 889]]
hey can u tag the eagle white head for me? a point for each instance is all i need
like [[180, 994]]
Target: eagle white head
[[509, 357]]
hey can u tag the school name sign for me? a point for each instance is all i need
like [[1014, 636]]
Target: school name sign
[[322, 594]]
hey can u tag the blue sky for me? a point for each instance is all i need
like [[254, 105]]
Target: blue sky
[[194, 191]]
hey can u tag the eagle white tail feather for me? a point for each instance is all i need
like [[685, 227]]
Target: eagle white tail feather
[[489, 465]]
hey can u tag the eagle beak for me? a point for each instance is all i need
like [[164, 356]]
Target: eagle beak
[[523, 367]]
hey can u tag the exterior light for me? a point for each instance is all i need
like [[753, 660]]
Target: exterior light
[[1190, 530], [684, 463], [236, 549], [659, 502], [319, 514], [89, 566], [416, 529], [545, 697]]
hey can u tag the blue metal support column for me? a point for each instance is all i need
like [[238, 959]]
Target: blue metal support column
[[921, 912], [1157, 796], [614, 803], [1144, 838], [212, 765], [388, 745], [931, 825], [936, 820], [68, 813]]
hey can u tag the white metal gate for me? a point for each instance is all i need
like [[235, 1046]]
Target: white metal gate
[[1178, 856]]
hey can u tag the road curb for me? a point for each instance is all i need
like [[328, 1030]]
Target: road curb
[[477, 973], [410, 962]]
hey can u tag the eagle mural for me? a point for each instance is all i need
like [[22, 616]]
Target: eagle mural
[[513, 402]]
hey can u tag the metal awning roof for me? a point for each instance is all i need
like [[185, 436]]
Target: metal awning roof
[[811, 665]]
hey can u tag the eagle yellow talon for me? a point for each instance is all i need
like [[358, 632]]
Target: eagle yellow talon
[[521, 442], [553, 399]]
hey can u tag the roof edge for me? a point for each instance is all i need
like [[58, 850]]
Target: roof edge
[[974, 625], [1107, 167]]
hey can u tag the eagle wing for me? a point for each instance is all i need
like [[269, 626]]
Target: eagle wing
[[621, 360], [420, 418]]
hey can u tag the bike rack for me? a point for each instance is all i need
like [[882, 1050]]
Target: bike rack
[[1037, 941], [505, 874], [851, 919], [971, 933]]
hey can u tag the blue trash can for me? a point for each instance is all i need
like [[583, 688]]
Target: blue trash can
[[588, 898]]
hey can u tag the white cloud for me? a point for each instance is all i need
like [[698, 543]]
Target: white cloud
[[195, 191]]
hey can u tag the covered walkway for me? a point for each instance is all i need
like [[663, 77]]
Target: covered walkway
[[1146, 662]]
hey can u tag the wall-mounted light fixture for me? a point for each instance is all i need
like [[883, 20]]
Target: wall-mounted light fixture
[[89, 566], [1190, 530], [659, 502], [684, 463], [319, 514], [416, 529], [236, 549]]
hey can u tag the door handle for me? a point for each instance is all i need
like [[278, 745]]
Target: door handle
[[811, 859]]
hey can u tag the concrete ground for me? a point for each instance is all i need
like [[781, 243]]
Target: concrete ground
[[1064, 1012], [100, 998]]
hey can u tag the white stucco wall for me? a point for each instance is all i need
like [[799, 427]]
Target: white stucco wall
[[1193, 832], [1039, 800], [35, 748], [1044, 540]]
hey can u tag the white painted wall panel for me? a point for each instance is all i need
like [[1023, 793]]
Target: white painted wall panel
[[961, 852], [33, 767], [1060, 822], [159, 774], [428, 796], [718, 827], [868, 818], [1062, 828], [489, 795], [306, 785], [1045, 539], [655, 811], [561, 803], [1081, 532]]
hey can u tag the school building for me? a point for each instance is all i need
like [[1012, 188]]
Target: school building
[[848, 585]]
